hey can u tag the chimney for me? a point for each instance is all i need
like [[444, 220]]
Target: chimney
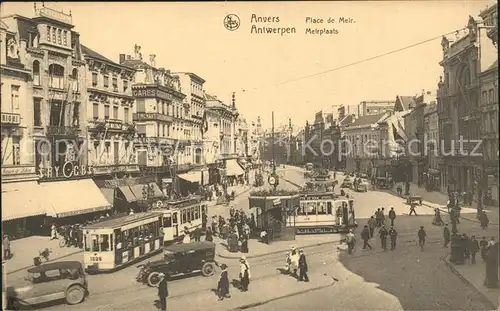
[[129, 57], [122, 58]]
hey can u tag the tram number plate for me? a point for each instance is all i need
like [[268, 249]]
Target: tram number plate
[[95, 258]]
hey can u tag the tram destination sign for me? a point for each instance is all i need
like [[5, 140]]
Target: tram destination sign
[[316, 230], [326, 196]]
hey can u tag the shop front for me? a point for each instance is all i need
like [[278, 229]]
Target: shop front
[[433, 182], [234, 172], [190, 182]]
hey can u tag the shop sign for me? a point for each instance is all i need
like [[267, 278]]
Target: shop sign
[[67, 170], [23, 170], [84, 211], [150, 92], [276, 201], [317, 197], [316, 230], [11, 118]]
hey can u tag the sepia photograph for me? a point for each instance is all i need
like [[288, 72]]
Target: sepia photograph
[[250, 155]]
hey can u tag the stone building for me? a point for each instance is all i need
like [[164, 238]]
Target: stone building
[[432, 145], [374, 107]]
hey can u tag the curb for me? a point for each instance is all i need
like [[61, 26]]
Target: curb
[[276, 252], [260, 303], [466, 281], [51, 260]]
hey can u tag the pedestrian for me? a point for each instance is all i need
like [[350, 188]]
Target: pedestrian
[[383, 237], [393, 234], [466, 248], [371, 225], [382, 215], [483, 244], [163, 291], [437, 221], [6, 247], [209, 235], [446, 235], [187, 237], [349, 238], [483, 219], [244, 274], [378, 218], [53, 232], [365, 236], [392, 216], [223, 284], [474, 248], [294, 261], [421, 238], [303, 267], [214, 225], [244, 243], [412, 208], [204, 220]]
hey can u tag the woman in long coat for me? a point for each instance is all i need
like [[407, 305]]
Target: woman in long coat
[[223, 285]]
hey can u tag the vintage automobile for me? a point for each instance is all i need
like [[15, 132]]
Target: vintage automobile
[[49, 282], [309, 166], [347, 182], [384, 182], [362, 186], [180, 259], [414, 198]]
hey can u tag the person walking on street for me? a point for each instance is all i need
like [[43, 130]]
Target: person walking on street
[[483, 219], [483, 244], [392, 216], [412, 209], [365, 236], [383, 237], [294, 261], [350, 241], [244, 274], [53, 232], [223, 285], [393, 235], [6, 247], [209, 235], [446, 235], [163, 292], [421, 237], [378, 217], [382, 215], [303, 267], [474, 248], [371, 225]]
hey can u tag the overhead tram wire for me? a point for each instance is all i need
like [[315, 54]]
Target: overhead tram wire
[[356, 62]]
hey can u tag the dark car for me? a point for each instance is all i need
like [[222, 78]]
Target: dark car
[[49, 282], [180, 259]]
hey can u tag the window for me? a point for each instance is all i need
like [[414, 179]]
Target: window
[[59, 35], [115, 84], [302, 210], [163, 130], [37, 112], [142, 157], [36, 73], [115, 112], [76, 114], [94, 79], [141, 105], [56, 75], [125, 85], [106, 81], [54, 35], [329, 208], [65, 38], [141, 129], [125, 115], [167, 222], [16, 157], [106, 112], [48, 33], [104, 241], [490, 97], [14, 97], [96, 111], [74, 77], [158, 130]]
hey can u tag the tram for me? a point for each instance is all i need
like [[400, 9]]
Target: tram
[[119, 241], [324, 212], [181, 214]]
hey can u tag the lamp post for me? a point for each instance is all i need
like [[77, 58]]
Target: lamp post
[[273, 178]]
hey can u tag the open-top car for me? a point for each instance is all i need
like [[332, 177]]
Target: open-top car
[[180, 259], [347, 182], [49, 282], [413, 198]]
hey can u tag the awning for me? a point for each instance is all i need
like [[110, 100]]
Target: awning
[[156, 190], [128, 194], [20, 199], [137, 190], [193, 176], [72, 197], [109, 194], [233, 168]]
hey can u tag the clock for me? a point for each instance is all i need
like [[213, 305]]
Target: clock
[[271, 180]]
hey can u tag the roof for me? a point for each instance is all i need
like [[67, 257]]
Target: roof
[[193, 246], [115, 222], [367, 120], [192, 75], [56, 265], [25, 27], [405, 101], [347, 120], [210, 97], [93, 54], [135, 63]]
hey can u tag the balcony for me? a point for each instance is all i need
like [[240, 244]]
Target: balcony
[[62, 130], [143, 116], [11, 118]]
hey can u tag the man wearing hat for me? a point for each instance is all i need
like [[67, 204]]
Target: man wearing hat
[[163, 291], [474, 248], [244, 274], [303, 267]]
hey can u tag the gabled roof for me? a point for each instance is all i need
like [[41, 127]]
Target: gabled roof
[[368, 120], [346, 120], [93, 54], [403, 103]]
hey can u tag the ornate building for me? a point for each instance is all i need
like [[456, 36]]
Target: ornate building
[[109, 111], [242, 138], [465, 56]]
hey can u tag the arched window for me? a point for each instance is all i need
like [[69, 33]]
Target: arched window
[[36, 72], [56, 76], [74, 78]]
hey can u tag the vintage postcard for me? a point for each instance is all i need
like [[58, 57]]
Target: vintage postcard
[[246, 155]]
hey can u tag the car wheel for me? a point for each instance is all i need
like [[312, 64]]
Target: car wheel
[[208, 269], [75, 294], [154, 279]]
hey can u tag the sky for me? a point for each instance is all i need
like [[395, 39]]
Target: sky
[[191, 37]]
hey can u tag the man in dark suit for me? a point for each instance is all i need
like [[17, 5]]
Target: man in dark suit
[[303, 267], [163, 292]]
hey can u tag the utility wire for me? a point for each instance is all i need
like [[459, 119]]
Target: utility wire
[[358, 62]]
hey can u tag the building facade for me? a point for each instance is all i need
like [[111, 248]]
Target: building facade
[[464, 57], [109, 115], [375, 107], [489, 111], [432, 146], [242, 144]]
